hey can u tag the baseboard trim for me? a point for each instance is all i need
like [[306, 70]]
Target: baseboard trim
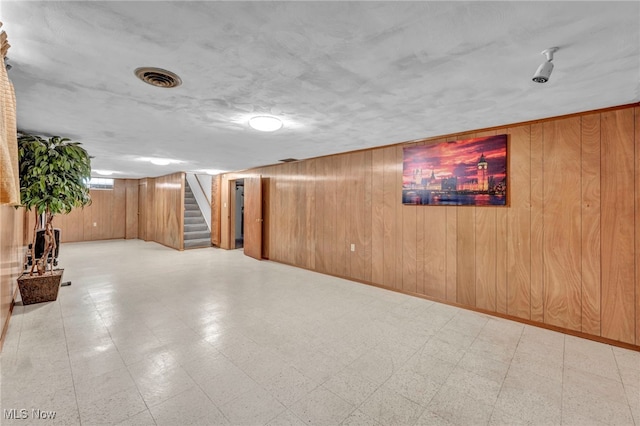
[[5, 326]]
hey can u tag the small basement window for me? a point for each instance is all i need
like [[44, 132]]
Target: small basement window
[[100, 183]]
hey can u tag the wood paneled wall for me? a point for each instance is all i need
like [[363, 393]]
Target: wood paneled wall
[[113, 214], [564, 253], [12, 250], [131, 209], [161, 207]]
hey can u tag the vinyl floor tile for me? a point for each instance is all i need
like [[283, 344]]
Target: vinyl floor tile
[[212, 337]]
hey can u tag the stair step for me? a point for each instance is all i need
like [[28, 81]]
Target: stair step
[[193, 220], [197, 235], [200, 243], [192, 213], [192, 227]]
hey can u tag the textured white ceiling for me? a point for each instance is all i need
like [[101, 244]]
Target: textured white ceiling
[[341, 75]]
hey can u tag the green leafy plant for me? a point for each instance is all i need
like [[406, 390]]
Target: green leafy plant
[[54, 176]]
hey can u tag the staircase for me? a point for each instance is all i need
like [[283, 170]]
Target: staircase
[[196, 232]]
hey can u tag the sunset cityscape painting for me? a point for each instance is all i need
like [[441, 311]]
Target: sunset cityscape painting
[[463, 172]]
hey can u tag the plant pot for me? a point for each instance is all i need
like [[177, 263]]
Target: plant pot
[[40, 288]]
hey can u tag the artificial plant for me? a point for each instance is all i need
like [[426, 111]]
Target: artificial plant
[[54, 176]]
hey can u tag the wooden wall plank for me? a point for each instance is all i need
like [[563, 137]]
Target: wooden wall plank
[[286, 250], [562, 223], [435, 253], [502, 240], [142, 209], [485, 251], [12, 249], [131, 208], [119, 221], [308, 181], [320, 202], [368, 212], [537, 223], [466, 256], [637, 224], [485, 254], [420, 246], [390, 236], [297, 205], [396, 166], [637, 207], [344, 208], [151, 211], [591, 245], [618, 216], [409, 241], [270, 178], [502, 250], [519, 224], [330, 213], [377, 216], [357, 214], [71, 225], [451, 250]]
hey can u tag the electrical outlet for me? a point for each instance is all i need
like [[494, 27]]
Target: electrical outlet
[[95, 224], [353, 247]]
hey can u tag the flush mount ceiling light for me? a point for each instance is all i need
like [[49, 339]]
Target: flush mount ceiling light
[[213, 171], [160, 161], [544, 70], [158, 77], [265, 123], [104, 172]]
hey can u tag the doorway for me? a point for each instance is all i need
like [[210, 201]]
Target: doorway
[[238, 214]]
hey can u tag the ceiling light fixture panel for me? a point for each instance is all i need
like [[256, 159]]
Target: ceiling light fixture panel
[[265, 123], [160, 161], [104, 172]]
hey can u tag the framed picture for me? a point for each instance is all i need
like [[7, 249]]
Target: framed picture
[[459, 173]]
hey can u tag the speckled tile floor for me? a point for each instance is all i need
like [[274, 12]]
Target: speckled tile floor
[[147, 335]]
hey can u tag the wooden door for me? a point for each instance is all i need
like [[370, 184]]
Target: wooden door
[[253, 217]]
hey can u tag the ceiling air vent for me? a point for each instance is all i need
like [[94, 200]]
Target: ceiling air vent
[[158, 77], [288, 160]]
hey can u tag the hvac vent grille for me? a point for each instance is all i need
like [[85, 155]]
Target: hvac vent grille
[[158, 77]]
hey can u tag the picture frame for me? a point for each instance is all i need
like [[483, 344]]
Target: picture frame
[[466, 172]]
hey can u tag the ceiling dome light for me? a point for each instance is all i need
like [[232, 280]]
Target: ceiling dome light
[[213, 171], [104, 172], [160, 161], [265, 123]]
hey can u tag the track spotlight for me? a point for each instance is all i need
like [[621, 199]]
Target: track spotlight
[[544, 70]]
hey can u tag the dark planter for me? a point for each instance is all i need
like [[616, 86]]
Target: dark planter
[[40, 288]]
